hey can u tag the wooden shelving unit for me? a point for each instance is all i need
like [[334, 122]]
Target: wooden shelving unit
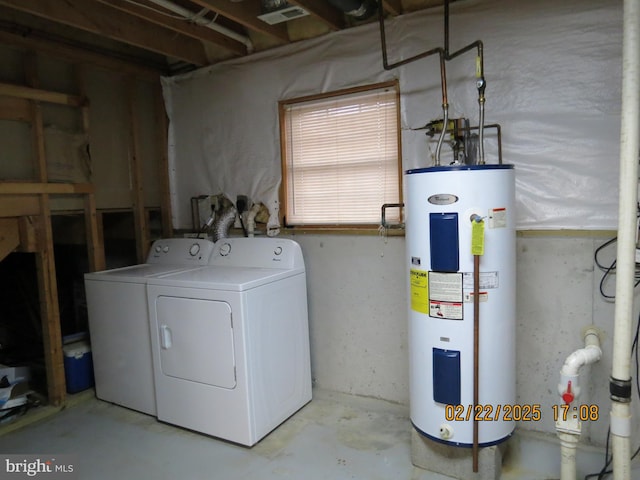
[[25, 206], [25, 216]]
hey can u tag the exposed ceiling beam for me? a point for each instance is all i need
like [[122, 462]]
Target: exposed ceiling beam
[[181, 26], [245, 13], [323, 11], [52, 46], [94, 17]]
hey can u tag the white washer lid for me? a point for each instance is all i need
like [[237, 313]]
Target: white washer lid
[[225, 278], [135, 273]]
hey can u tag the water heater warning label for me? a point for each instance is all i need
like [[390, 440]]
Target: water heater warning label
[[445, 310], [445, 295], [419, 291], [498, 218]]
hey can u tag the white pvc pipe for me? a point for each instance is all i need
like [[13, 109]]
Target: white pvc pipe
[[569, 429], [625, 269], [188, 15], [568, 446], [591, 353], [570, 371]]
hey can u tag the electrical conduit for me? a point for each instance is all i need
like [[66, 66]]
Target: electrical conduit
[[620, 381]]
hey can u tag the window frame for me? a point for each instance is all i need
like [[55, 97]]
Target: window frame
[[337, 227]]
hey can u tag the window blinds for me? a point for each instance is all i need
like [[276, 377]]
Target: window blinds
[[341, 159]]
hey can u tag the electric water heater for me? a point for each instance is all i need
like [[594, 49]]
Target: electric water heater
[[442, 205]]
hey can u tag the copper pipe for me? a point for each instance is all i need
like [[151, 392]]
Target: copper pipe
[[444, 56], [476, 355]]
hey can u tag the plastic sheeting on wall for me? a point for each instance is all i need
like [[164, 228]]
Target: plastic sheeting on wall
[[553, 73]]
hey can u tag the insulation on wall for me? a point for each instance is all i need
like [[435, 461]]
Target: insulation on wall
[[553, 73], [67, 154]]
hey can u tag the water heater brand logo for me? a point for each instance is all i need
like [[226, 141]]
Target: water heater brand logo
[[442, 199], [37, 466]]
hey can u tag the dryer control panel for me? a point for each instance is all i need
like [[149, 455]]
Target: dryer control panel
[[257, 252], [183, 251]]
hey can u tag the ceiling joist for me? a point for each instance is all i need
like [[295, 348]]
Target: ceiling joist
[[172, 36], [323, 11], [94, 17], [184, 27], [246, 13]]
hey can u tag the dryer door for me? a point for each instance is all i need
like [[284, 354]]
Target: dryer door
[[196, 340]]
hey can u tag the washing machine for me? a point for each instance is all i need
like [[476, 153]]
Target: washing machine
[[119, 324], [230, 341]]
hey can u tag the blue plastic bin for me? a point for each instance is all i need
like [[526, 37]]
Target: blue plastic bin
[[78, 366]]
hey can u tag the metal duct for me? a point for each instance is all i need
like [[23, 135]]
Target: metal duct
[[223, 223], [358, 9]]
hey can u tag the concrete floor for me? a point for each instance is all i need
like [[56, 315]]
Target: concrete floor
[[334, 437]]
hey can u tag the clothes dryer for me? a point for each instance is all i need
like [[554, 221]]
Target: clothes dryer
[[119, 325], [230, 341]]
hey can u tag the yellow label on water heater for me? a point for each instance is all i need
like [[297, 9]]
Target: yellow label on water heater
[[419, 291], [477, 238]]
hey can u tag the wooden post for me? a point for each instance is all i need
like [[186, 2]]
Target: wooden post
[[135, 163], [95, 242], [45, 262], [163, 166]]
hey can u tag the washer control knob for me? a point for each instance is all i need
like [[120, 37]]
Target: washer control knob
[[195, 248], [278, 250], [225, 249], [158, 248], [165, 249]]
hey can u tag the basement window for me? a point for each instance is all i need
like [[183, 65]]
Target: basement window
[[341, 157]]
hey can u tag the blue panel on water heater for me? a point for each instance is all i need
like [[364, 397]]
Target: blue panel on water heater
[[446, 376], [443, 233]]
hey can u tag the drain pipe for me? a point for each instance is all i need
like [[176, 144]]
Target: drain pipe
[[620, 381], [568, 425]]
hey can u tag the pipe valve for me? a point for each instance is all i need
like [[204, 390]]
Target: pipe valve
[[568, 396], [481, 85]]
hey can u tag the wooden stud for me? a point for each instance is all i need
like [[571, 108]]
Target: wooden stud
[[45, 262], [9, 236], [15, 109], [163, 164], [135, 167], [28, 235], [19, 205], [95, 241], [37, 188], [29, 93]]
